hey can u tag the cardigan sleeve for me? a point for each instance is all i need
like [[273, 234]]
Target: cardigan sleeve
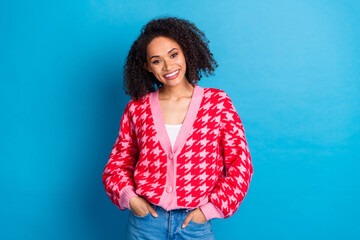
[[118, 172], [234, 181]]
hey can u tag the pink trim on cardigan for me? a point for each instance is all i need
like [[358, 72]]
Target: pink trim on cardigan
[[125, 195], [186, 126], [211, 211]]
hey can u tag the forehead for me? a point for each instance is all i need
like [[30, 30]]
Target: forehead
[[161, 45]]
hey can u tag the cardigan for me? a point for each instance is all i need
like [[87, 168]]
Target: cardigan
[[210, 166]]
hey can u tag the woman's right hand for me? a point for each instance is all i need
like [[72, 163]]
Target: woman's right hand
[[140, 207]]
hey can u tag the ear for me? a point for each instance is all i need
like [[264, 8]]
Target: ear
[[146, 67]]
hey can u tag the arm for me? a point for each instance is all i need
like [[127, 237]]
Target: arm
[[233, 184], [118, 172]]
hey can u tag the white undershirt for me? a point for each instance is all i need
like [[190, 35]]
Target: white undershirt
[[173, 131]]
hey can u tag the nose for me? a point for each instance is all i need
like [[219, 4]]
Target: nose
[[166, 65]]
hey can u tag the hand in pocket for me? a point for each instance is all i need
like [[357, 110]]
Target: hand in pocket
[[141, 207]]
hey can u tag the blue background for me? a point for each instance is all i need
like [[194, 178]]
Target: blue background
[[292, 69]]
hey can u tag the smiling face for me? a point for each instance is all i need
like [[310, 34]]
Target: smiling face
[[166, 60]]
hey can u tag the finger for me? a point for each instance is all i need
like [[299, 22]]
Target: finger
[[186, 221], [152, 211]]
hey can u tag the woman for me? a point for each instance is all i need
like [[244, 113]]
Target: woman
[[181, 157]]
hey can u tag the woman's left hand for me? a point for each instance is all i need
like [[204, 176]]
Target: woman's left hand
[[196, 215]]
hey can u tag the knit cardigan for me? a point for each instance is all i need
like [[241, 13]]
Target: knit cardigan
[[209, 167]]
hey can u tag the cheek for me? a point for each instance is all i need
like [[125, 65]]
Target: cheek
[[181, 61], [158, 71], [155, 69]]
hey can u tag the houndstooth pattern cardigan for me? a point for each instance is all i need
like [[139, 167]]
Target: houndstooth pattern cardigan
[[209, 167]]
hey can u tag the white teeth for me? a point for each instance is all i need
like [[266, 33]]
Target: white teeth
[[172, 74]]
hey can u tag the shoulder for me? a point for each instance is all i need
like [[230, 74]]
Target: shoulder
[[216, 93], [221, 99], [134, 105]]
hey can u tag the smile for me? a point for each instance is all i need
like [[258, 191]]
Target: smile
[[172, 75]]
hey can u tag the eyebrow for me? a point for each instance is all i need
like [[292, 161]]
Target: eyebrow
[[168, 52]]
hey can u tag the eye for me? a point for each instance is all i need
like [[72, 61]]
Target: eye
[[156, 61], [174, 55]]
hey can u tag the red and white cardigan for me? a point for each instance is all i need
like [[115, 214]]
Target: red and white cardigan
[[209, 167]]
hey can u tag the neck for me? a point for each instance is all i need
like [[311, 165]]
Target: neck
[[176, 92]]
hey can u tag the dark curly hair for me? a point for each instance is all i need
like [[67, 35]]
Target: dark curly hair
[[138, 81]]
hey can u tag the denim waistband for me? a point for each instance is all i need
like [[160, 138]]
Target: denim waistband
[[180, 210]]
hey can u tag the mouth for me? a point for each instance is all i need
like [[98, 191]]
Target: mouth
[[172, 75]]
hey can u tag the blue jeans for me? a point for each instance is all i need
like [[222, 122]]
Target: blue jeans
[[166, 226]]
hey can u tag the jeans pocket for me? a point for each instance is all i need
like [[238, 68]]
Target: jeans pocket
[[201, 224], [141, 216]]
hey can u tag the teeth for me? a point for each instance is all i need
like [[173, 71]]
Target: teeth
[[172, 74]]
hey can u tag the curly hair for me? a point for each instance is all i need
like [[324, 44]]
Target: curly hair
[[138, 81]]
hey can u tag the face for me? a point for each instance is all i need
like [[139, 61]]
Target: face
[[166, 60]]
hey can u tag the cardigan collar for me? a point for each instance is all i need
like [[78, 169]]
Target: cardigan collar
[[185, 129]]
